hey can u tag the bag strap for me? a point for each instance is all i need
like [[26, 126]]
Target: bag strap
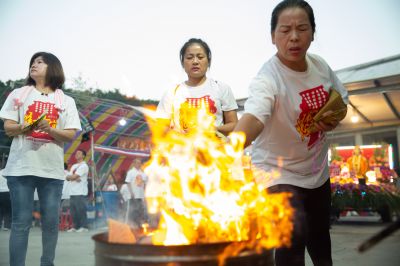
[[19, 101], [58, 98]]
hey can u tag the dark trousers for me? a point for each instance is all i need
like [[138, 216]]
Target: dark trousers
[[137, 211], [311, 226], [5, 209], [77, 206]]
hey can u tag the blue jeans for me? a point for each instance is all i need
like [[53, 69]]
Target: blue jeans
[[21, 191]]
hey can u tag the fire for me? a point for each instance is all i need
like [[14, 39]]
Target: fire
[[204, 194]]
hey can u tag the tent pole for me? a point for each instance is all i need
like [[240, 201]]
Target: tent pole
[[94, 175], [93, 167]]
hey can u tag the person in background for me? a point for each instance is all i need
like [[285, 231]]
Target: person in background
[[124, 196], [125, 201], [78, 191], [289, 89], [358, 165], [65, 191], [36, 210], [110, 185], [40, 119], [136, 180], [177, 104], [5, 203]]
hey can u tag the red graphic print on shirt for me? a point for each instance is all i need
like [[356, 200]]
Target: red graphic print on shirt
[[34, 111], [188, 110], [312, 101]]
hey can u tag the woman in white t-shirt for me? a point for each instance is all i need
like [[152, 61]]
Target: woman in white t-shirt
[[37, 152], [178, 104], [289, 89]]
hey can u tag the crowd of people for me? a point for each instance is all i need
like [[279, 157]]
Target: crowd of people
[[287, 91]]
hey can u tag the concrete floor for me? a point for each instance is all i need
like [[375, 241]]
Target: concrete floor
[[76, 249]]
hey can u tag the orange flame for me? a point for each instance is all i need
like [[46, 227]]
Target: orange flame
[[198, 184]]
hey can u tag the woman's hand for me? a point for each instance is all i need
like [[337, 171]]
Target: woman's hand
[[13, 129], [230, 121], [43, 126], [250, 126], [63, 135], [322, 126]]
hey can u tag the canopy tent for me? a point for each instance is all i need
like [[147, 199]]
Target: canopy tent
[[111, 145], [121, 152]]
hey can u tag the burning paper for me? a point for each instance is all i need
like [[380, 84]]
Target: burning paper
[[120, 233], [201, 190]]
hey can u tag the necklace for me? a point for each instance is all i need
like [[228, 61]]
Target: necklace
[[43, 91]]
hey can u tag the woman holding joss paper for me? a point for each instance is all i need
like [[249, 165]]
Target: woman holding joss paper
[[179, 105], [286, 94], [37, 153]]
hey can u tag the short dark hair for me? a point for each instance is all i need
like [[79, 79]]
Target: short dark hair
[[201, 43], [290, 4], [83, 152], [54, 75]]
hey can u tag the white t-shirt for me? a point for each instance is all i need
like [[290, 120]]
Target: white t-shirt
[[126, 195], [79, 188], [3, 183], [37, 153], [66, 185], [216, 96], [136, 184], [285, 101]]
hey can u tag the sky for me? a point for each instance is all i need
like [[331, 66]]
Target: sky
[[134, 45]]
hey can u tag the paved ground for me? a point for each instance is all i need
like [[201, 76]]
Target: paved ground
[[76, 249]]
